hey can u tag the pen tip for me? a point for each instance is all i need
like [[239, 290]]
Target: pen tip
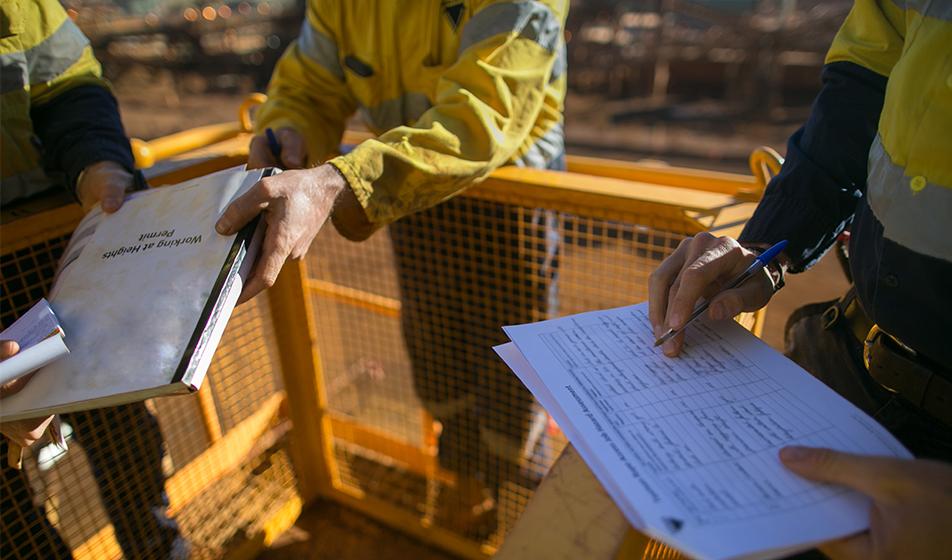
[[664, 338]]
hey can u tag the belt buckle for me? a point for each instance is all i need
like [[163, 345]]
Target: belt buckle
[[873, 337], [830, 316], [877, 336]]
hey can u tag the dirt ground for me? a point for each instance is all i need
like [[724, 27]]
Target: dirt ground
[[152, 107], [329, 530]]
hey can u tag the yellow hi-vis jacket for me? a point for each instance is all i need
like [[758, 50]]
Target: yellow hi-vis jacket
[[909, 184], [42, 55], [453, 88]]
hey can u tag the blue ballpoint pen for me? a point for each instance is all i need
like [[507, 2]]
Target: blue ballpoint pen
[[273, 144], [761, 261]]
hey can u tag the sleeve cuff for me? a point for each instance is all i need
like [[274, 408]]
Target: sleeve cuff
[[84, 154], [363, 189], [804, 205]]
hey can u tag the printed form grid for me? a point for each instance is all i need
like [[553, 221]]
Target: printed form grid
[[707, 429]]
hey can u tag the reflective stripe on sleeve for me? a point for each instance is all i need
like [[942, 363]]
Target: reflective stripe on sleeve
[[320, 48], [939, 9], [561, 63], [45, 61], [529, 19], [545, 149], [914, 211], [56, 54]]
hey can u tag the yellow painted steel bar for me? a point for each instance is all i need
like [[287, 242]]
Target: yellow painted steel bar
[[209, 412], [764, 164], [147, 153], [312, 445], [223, 456], [190, 481], [697, 179], [417, 459], [380, 305], [674, 197], [40, 227]]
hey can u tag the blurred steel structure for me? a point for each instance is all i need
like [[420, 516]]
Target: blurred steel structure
[[310, 393], [748, 52], [242, 38]]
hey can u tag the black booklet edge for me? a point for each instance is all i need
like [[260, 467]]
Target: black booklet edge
[[211, 313]]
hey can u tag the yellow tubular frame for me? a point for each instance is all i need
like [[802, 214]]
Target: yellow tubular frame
[[694, 200]]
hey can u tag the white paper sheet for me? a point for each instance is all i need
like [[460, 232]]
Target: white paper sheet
[[40, 338], [688, 447]]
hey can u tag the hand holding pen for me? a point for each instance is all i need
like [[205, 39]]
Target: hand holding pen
[[729, 278], [283, 147]]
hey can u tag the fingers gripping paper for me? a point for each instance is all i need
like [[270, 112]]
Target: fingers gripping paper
[[688, 447]]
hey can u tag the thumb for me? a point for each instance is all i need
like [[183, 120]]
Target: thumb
[[293, 150], [8, 348], [876, 477], [749, 296], [112, 194]]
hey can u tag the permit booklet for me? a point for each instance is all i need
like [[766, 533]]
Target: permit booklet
[[143, 296]]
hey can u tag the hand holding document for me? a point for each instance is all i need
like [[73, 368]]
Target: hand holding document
[[688, 447], [144, 294], [40, 340], [32, 341]]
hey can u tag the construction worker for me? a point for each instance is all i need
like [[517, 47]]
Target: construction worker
[[874, 156], [61, 128], [453, 90]]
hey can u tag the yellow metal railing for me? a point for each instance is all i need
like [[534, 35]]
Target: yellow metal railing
[[673, 201], [332, 330]]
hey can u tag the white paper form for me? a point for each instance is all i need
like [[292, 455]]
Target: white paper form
[[688, 446], [40, 338]]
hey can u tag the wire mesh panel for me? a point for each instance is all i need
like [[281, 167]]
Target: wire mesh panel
[[425, 416], [187, 476]]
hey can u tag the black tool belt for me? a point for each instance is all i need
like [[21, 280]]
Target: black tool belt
[[894, 365]]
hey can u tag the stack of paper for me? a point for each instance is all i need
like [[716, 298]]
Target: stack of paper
[[40, 337], [687, 447]]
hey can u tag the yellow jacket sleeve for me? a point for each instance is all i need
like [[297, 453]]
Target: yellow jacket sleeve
[[307, 90], [872, 36], [486, 104]]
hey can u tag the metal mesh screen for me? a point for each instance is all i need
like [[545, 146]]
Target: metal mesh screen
[[191, 476], [425, 417]]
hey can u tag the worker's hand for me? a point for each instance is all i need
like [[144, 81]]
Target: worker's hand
[[699, 267], [911, 509], [293, 150], [295, 204], [105, 182], [8, 349], [21, 432]]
